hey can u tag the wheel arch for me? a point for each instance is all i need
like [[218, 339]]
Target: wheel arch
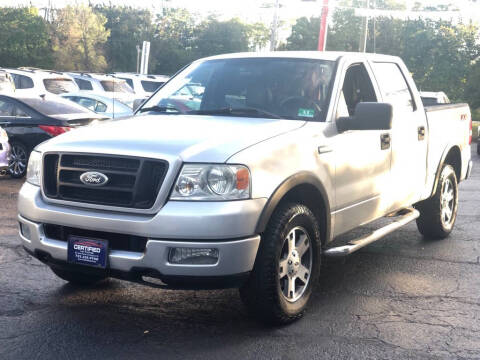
[[305, 188], [452, 156]]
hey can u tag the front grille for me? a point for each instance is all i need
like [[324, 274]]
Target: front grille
[[132, 182], [115, 241]]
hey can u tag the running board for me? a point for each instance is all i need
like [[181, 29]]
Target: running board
[[406, 216]]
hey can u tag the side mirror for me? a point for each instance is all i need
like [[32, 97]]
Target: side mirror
[[368, 116], [137, 103]]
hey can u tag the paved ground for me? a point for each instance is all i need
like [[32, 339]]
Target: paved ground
[[402, 297]]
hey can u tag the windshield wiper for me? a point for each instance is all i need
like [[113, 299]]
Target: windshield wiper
[[162, 109], [246, 111]]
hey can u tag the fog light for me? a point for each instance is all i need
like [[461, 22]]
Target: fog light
[[193, 256], [25, 230]]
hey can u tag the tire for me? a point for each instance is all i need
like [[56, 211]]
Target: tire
[[438, 213], [76, 278], [17, 166], [267, 293]]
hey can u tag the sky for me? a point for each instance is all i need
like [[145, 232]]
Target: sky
[[247, 10]]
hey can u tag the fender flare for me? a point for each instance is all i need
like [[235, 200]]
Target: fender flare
[[440, 167], [301, 178]]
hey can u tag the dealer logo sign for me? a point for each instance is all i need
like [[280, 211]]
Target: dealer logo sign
[[93, 178]]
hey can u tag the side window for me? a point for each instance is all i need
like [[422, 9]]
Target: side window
[[101, 107], [129, 81], [357, 88], [22, 81], [393, 85], [20, 113], [83, 84], [6, 108], [88, 103]]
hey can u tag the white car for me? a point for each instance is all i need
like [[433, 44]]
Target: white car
[[143, 85], [7, 85], [30, 81], [106, 85], [431, 98], [107, 106]]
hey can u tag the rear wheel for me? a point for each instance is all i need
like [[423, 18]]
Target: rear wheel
[[17, 165], [77, 278], [438, 214], [287, 266]]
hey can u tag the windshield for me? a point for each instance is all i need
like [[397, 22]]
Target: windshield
[[59, 86], [287, 88], [116, 86]]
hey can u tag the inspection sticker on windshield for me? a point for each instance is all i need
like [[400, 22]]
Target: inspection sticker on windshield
[[310, 113]]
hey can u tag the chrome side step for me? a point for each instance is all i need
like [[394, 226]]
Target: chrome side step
[[406, 216]]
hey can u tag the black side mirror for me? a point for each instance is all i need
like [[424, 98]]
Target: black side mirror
[[368, 116]]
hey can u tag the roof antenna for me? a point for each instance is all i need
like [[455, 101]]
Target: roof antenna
[[43, 96]]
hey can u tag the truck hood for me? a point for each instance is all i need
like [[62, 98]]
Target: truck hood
[[192, 138]]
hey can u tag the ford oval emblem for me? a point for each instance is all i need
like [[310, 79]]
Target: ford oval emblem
[[93, 178]]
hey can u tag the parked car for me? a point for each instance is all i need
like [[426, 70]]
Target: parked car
[[7, 85], [286, 152], [143, 85], [29, 121], [4, 152], [105, 85], [430, 98], [32, 82], [106, 106]]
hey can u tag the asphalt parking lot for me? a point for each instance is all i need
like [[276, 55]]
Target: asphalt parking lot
[[402, 297]]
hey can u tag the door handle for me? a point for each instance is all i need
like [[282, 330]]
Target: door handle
[[421, 133], [385, 141]]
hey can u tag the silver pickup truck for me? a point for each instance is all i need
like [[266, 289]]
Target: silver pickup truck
[[246, 180]]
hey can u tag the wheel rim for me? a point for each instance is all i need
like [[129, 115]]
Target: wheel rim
[[18, 160], [295, 264], [447, 203]]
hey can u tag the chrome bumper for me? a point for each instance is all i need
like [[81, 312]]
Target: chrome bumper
[[235, 257]]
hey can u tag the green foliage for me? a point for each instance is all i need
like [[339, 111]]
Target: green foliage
[[304, 35], [24, 38], [78, 36], [128, 28]]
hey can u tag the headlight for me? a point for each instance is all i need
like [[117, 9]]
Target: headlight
[[212, 182], [34, 168]]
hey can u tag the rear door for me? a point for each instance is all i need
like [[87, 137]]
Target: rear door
[[362, 164], [409, 134]]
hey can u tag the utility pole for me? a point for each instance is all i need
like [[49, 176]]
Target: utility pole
[[138, 59], [362, 45], [322, 35], [273, 35]]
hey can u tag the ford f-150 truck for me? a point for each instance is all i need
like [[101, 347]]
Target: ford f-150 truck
[[247, 183]]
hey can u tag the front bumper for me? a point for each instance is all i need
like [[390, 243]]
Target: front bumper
[[226, 226], [235, 256]]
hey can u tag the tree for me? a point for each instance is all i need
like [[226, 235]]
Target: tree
[[304, 35], [78, 36], [128, 28], [172, 44], [220, 37], [24, 38]]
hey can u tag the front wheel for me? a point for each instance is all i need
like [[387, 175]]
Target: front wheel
[[438, 213], [287, 266]]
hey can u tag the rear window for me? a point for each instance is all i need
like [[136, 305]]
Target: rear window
[[59, 86], [151, 86], [84, 84], [116, 86], [54, 107]]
